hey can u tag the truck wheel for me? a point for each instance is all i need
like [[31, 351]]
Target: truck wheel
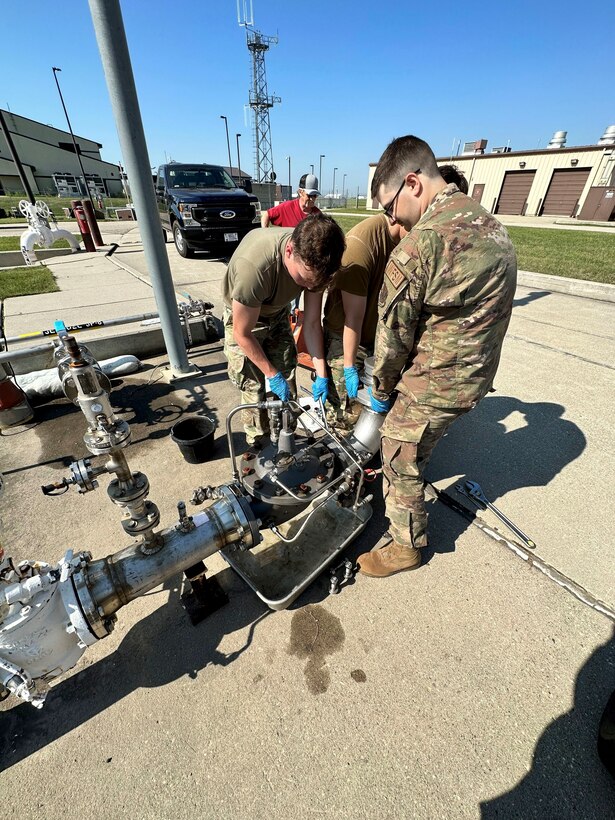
[[180, 242]]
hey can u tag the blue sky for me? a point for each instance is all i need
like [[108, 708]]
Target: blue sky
[[352, 76]]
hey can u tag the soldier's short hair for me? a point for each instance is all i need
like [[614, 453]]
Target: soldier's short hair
[[451, 173], [319, 242], [403, 155]]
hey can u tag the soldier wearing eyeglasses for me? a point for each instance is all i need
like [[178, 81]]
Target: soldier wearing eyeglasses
[[444, 308]]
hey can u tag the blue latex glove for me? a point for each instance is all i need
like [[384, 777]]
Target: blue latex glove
[[280, 387], [379, 406], [320, 388], [351, 375]]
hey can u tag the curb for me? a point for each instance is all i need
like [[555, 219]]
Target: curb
[[14, 259], [561, 284]]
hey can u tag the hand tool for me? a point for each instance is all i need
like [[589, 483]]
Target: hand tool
[[476, 493]]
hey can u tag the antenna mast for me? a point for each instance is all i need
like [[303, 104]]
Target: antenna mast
[[260, 102]]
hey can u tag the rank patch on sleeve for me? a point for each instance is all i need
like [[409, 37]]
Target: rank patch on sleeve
[[394, 275]]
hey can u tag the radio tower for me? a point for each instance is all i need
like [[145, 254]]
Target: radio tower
[[260, 102]]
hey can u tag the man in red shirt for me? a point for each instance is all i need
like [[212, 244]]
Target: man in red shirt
[[290, 213]]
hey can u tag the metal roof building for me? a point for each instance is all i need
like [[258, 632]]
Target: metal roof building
[[577, 182], [50, 162]]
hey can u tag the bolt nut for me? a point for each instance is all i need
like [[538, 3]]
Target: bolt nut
[[247, 471], [248, 455]]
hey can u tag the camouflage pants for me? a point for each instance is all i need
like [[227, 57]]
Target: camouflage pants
[[409, 435], [341, 407], [276, 339]]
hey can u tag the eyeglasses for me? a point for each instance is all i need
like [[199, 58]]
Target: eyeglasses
[[388, 209], [309, 196]]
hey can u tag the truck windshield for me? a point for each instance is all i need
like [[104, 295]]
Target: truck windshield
[[199, 176]]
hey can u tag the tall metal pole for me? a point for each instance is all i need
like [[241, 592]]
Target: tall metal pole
[[344, 184], [228, 145], [333, 191], [88, 193], [290, 192], [13, 152], [322, 156], [238, 159], [111, 38], [312, 167]]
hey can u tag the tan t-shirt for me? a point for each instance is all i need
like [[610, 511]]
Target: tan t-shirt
[[256, 275], [368, 247]]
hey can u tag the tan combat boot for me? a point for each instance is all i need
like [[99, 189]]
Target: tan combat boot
[[389, 560]]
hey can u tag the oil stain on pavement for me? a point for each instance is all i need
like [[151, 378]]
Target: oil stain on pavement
[[314, 634]]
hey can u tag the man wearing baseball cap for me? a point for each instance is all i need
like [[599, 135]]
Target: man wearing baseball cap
[[290, 213]]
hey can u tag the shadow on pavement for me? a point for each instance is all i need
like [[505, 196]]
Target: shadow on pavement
[[504, 444], [567, 779], [157, 650], [530, 297]]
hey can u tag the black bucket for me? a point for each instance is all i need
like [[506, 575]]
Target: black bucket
[[195, 438]]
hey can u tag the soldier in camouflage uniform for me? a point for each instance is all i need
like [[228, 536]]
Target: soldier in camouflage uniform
[[444, 309], [269, 269]]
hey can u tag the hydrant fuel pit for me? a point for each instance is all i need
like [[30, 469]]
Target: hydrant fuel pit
[[286, 513]]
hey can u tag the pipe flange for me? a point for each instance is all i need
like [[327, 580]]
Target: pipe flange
[[85, 620], [243, 512], [138, 526], [121, 495], [101, 442]]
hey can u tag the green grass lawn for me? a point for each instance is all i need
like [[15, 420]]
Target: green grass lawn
[[26, 281], [575, 254], [12, 243]]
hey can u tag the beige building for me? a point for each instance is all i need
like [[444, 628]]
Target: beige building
[[560, 181], [50, 163]]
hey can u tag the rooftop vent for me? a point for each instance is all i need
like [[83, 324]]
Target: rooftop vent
[[502, 149], [608, 138], [558, 140], [474, 147]]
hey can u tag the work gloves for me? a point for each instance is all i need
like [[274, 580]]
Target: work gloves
[[351, 375], [320, 388], [279, 386], [379, 406]]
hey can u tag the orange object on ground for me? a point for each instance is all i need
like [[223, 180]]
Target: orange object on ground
[[296, 323]]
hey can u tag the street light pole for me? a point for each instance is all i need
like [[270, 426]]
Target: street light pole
[[312, 167], [344, 184], [290, 192], [322, 156], [78, 155], [228, 145], [238, 159], [333, 192]]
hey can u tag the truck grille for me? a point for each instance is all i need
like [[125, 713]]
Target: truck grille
[[210, 215]]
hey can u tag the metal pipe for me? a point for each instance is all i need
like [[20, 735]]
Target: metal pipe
[[114, 581], [111, 39], [15, 158], [121, 320]]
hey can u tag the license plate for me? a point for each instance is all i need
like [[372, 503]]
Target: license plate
[[231, 237]]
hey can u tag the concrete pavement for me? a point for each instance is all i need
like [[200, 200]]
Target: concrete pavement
[[471, 688]]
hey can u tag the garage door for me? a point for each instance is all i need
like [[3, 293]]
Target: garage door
[[514, 193], [564, 191]]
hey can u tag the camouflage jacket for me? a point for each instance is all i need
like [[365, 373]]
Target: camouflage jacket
[[445, 305]]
